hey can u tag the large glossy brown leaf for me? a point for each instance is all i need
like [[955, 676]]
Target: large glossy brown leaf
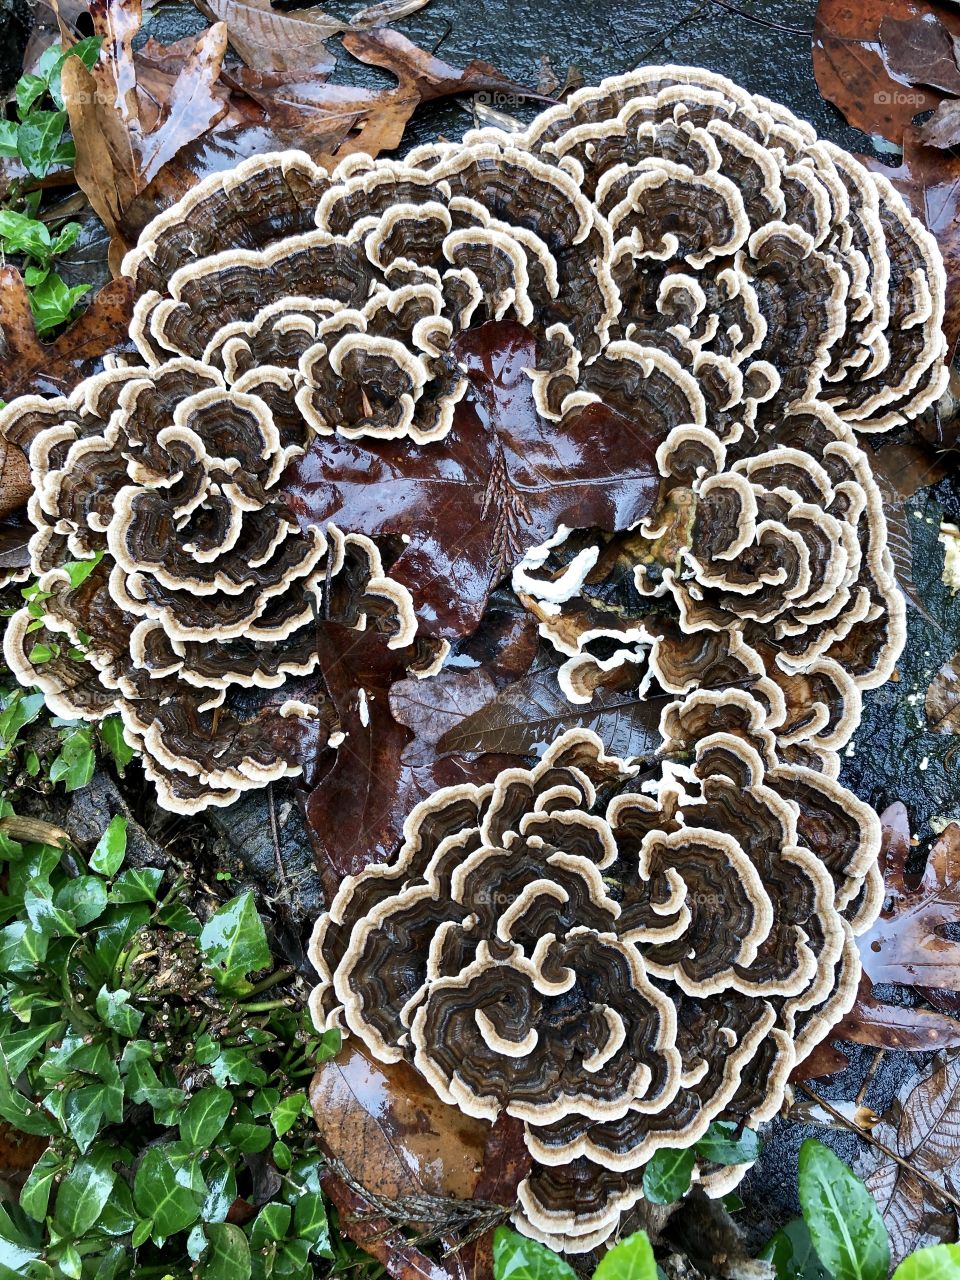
[[851, 72], [525, 717], [271, 39], [923, 1128], [921, 51], [908, 943], [880, 1025], [501, 482], [506, 1162], [380, 771], [29, 366]]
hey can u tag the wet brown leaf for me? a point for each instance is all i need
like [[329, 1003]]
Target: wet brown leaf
[[15, 486], [525, 717], [29, 366], [506, 1162], [923, 1128], [19, 1152], [849, 66], [380, 771], [269, 39], [942, 703], [434, 707], [826, 1060], [123, 137], [880, 1025], [943, 127], [476, 501], [391, 1131], [908, 942], [921, 51]]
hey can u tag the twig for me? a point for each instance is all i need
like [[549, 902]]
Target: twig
[[935, 1187], [763, 22], [695, 12], [281, 873]]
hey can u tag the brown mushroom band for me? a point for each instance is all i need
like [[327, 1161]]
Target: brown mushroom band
[[615, 965]]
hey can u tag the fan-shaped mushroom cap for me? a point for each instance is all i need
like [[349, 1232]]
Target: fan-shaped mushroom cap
[[616, 966], [200, 603]]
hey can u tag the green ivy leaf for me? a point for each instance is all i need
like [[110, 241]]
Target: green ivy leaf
[[792, 1253], [667, 1174], [271, 1223], [138, 884], [329, 1045], [228, 1255], [722, 1145], [108, 856], [78, 571], [21, 1047], [38, 138], [516, 1257], [52, 303], [84, 1191], [35, 1193], [286, 1113], [8, 138], [159, 1195], [844, 1222], [311, 1224], [111, 732], [939, 1262], [85, 897], [235, 1066], [631, 1259], [117, 1013], [234, 944], [29, 89], [75, 764], [205, 1116], [21, 234]]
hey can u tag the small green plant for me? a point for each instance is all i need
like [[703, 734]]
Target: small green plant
[[516, 1257], [37, 137], [156, 1058]]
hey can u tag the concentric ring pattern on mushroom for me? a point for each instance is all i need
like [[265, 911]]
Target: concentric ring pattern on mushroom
[[614, 957]]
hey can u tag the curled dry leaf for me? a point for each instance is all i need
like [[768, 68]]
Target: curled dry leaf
[[908, 942], [851, 72], [270, 39], [500, 482], [942, 703], [122, 140], [29, 366], [923, 1128]]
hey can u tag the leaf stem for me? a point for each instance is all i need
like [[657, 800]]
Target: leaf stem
[[927, 1181]]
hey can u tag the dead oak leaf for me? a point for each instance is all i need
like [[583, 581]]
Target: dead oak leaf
[[850, 70], [30, 366], [921, 51], [270, 39], [123, 137], [923, 1128], [471, 505], [907, 943]]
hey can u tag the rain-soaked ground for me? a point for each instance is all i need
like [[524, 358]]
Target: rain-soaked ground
[[765, 46]]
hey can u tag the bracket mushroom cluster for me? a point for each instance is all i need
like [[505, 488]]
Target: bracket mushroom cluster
[[614, 965]]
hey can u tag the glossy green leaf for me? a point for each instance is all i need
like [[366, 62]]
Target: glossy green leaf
[[117, 1013], [159, 1196], [111, 732], [844, 1222], [111, 848], [236, 1066], [516, 1257], [667, 1174], [227, 1256], [38, 138], [8, 138], [35, 1193], [21, 234], [29, 89], [85, 897], [311, 1224], [271, 1223], [631, 1259], [234, 944], [286, 1113], [84, 1191], [723, 1145], [940, 1262], [792, 1253], [138, 884], [205, 1116], [75, 764], [20, 1047]]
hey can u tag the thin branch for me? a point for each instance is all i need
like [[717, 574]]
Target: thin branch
[[763, 22], [927, 1181]]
